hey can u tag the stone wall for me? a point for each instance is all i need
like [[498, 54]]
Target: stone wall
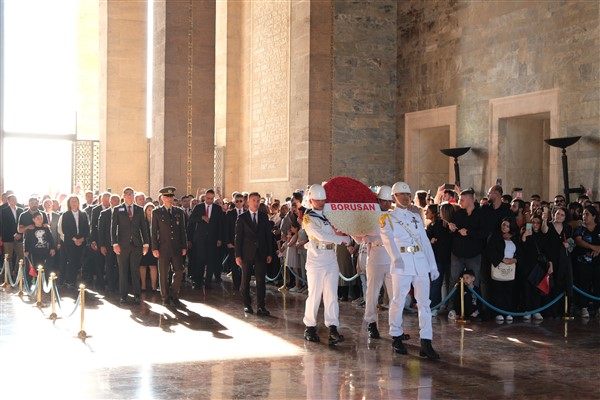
[[364, 90], [466, 53]]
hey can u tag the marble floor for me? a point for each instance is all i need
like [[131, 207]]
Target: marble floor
[[211, 350]]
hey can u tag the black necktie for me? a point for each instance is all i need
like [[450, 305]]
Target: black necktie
[[254, 218]]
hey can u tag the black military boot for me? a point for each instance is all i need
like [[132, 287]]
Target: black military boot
[[334, 336], [310, 334], [398, 346], [427, 350], [373, 331]]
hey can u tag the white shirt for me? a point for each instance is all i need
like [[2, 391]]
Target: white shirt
[[509, 249], [76, 216]]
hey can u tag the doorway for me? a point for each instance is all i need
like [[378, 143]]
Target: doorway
[[523, 153]]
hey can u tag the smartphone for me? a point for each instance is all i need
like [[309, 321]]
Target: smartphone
[[499, 181], [448, 186], [528, 226], [546, 209]]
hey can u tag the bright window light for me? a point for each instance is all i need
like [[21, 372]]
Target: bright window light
[[37, 166], [40, 66]]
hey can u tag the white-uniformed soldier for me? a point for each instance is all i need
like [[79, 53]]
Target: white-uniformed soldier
[[378, 266], [413, 261], [322, 270]]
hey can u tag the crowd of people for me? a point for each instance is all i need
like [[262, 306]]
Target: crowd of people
[[502, 246]]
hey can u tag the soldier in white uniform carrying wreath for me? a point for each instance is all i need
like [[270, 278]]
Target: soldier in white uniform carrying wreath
[[322, 270], [413, 262]]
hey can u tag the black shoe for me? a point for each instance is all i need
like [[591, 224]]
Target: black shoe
[[398, 346], [404, 336], [248, 310], [176, 302], [310, 334], [136, 300], [166, 302], [334, 336], [427, 350], [123, 300], [373, 331], [263, 311]]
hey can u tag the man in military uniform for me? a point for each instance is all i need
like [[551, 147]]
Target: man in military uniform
[[378, 266], [169, 245], [413, 261], [322, 270]]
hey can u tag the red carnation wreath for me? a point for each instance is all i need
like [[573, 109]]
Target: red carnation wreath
[[351, 206]]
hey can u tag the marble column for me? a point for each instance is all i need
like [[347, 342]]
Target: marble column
[[124, 150], [177, 26]]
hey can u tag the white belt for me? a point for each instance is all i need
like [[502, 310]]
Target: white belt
[[409, 249], [325, 246]]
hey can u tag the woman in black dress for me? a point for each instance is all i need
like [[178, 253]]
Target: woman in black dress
[[535, 252], [148, 260], [560, 243], [503, 247]]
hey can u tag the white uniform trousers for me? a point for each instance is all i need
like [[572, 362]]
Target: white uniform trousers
[[377, 275], [322, 282], [400, 288]]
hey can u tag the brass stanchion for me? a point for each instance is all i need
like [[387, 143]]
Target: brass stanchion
[[82, 334], [53, 316], [567, 316], [20, 277], [462, 319], [284, 288], [6, 283], [40, 283]]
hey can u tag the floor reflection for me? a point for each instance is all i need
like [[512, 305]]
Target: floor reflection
[[210, 349]]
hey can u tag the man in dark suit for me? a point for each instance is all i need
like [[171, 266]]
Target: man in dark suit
[[204, 235], [13, 240], [130, 241], [103, 241], [169, 245], [253, 239], [229, 239], [96, 258]]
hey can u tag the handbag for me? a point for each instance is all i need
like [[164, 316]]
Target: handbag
[[504, 272], [545, 285], [536, 275]]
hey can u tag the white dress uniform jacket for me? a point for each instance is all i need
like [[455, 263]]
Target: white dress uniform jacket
[[405, 239], [322, 270]]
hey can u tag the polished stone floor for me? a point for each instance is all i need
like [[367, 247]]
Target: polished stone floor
[[211, 350]]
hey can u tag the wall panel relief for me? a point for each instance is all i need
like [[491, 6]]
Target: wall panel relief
[[270, 94]]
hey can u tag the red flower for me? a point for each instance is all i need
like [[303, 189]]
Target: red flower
[[343, 189]]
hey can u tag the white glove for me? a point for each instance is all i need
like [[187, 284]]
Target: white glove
[[434, 274]]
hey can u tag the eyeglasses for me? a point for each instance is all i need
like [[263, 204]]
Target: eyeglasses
[[239, 201], [128, 193]]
